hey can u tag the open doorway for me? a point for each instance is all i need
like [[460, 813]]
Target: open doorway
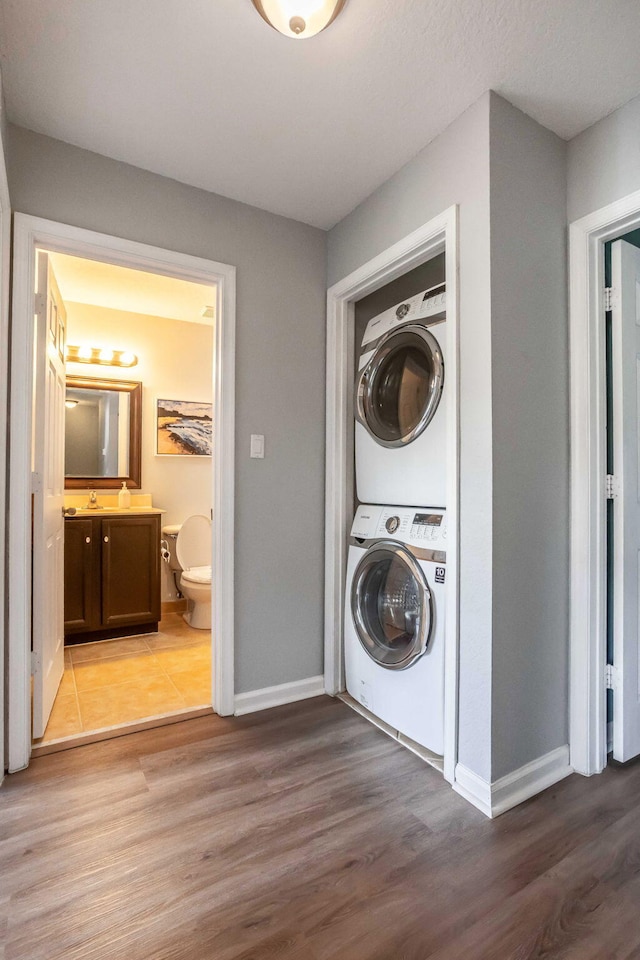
[[621, 271], [605, 451], [28, 352], [138, 415]]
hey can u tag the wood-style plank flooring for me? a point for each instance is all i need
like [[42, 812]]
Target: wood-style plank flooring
[[304, 833]]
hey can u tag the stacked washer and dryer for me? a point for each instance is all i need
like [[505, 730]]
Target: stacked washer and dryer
[[395, 590]]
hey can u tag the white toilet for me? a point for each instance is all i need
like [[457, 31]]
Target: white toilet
[[193, 552]]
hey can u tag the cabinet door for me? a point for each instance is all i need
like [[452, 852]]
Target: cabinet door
[[130, 570], [81, 579]]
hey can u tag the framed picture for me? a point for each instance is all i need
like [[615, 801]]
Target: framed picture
[[184, 428]]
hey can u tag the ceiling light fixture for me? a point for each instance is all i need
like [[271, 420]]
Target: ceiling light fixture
[[299, 19]]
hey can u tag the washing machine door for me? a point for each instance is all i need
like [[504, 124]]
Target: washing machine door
[[392, 605], [399, 390]]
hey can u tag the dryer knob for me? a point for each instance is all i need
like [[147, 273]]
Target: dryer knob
[[392, 524]]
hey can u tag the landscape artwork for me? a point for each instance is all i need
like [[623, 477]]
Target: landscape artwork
[[184, 428]]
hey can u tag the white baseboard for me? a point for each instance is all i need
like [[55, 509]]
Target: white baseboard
[[507, 792], [277, 696], [473, 788]]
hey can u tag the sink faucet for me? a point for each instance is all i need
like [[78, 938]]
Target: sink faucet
[[93, 501]]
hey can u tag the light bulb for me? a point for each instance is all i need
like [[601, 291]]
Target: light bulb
[[85, 353], [106, 356], [128, 359]]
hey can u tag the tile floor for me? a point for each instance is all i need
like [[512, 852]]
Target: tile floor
[[112, 682]]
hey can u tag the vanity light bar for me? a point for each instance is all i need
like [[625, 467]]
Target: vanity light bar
[[100, 355]]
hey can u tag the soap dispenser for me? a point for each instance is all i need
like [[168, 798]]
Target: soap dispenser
[[124, 497]]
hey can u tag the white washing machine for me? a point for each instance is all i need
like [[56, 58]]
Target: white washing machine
[[394, 619], [400, 435]]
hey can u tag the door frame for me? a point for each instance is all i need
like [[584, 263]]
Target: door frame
[[588, 586], [30, 233], [5, 279], [440, 233]]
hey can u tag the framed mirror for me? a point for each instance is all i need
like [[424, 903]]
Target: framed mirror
[[103, 433]]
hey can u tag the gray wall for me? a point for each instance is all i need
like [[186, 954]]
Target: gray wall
[[529, 342], [280, 375], [453, 169], [604, 162]]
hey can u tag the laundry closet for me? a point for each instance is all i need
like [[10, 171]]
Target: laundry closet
[[396, 582]]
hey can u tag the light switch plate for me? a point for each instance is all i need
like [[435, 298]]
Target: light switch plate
[[257, 446]]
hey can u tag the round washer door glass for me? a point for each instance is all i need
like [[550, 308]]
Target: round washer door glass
[[392, 606], [400, 388]]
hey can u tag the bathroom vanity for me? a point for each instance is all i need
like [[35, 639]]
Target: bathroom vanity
[[111, 574]]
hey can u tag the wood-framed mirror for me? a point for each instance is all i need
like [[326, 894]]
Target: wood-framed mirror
[[103, 433]]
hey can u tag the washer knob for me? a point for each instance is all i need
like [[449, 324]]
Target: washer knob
[[392, 524]]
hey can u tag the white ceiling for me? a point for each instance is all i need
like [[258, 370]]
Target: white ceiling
[[120, 288], [204, 91]]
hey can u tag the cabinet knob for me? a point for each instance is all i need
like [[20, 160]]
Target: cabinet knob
[[106, 539], [87, 539]]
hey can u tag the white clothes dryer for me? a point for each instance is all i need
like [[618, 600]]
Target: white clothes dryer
[[395, 619], [400, 432]]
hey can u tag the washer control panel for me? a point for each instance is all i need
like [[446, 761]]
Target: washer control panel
[[419, 526], [428, 526], [412, 525]]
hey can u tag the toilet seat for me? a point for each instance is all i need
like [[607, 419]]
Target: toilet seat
[[193, 545], [197, 574]]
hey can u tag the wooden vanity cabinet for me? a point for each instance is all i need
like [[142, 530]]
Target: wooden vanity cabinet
[[81, 571], [111, 576]]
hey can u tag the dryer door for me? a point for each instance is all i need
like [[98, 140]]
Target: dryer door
[[399, 390], [392, 605]]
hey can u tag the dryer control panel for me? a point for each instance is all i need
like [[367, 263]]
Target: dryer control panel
[[429, 306]]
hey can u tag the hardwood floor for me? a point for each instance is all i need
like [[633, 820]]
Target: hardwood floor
[[304, 833]]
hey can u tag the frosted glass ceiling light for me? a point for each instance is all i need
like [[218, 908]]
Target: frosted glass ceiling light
[[299, 19]]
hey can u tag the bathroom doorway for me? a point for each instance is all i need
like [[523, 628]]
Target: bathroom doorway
[[120, 677], [131, 334]]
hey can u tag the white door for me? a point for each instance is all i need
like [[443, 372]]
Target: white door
[[625, 278], [48, 501]]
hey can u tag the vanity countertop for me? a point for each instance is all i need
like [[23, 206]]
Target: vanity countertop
[[108, 506], [114, 512]]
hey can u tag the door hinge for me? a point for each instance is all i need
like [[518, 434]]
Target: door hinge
[[610, 676], [611, 487], [608, 299], [36, 482], [35, 662]]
